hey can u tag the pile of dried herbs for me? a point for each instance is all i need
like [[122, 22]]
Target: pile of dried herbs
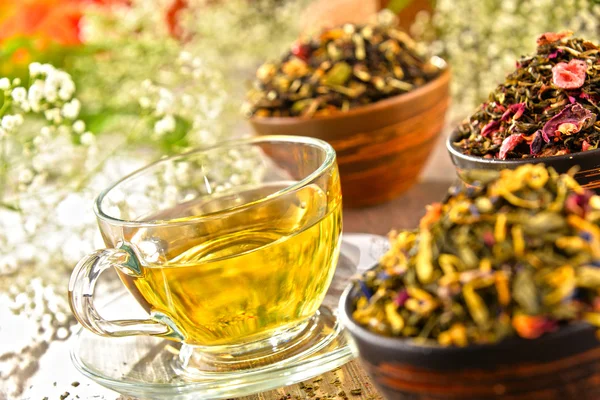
[[519, 255], [340, 69], [547, 107]]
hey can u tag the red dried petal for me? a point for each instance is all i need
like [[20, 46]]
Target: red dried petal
[[551, 37], [569, 76], [572, 119], [554, 54], [490, 128], [508, 144], [585, 145], [516, 110], [401, 298], [532, 327], [578, 203], [301, 51]]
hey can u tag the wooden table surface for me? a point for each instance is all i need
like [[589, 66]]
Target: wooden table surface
[[401, 213]]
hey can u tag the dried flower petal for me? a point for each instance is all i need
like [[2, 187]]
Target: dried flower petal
[[301, 50], [532, 327], [578, 203], [585, 146], [508, 144], [490, 128], [537, 143], [554, 54], [572, 119], [569, 76], [401, 298], [515, 110], [551, 37]]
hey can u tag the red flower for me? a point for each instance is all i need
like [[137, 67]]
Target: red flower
[[172, 17], [45, 21], [569, 76]]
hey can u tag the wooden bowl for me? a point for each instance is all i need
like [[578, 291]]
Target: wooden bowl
[[563, 365], [382, 147], [587, 161]]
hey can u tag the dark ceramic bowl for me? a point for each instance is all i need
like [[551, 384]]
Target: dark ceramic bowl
[[562, 365], [588, 162], [381, 147]]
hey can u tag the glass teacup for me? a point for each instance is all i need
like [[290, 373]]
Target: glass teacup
[[230, 249]]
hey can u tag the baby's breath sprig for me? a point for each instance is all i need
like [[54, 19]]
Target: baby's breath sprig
[[34, 118]]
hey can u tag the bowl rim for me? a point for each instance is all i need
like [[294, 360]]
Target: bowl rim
[[442, 79], [454, 152], [409, 346]]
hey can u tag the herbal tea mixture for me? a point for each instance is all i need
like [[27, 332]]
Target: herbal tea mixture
[[547, 107], [340, 69], [519, 255]]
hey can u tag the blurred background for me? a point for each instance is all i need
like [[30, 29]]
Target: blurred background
[[94, 89]]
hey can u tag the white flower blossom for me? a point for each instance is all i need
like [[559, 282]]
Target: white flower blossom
[[10, 122], [88, 139], [47, 69], [79, 126], [185, 57], [19, 95], [35, 68], [4, 84], [71, 109], [50, 93], [67, 89], [164, 125], [35, 95], [53, 115]]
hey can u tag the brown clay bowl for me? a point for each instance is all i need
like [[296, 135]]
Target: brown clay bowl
[[382, 147], [564, 365], [588, 162]]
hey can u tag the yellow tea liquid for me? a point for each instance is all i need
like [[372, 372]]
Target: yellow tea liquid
[[230, 278]]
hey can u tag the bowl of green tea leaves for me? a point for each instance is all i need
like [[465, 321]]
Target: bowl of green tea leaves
[[493, 296], [370, 90], [545, 111]]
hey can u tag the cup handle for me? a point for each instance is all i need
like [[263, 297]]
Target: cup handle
[[81, 292]]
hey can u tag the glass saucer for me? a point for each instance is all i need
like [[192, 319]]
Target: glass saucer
[[143, 366]]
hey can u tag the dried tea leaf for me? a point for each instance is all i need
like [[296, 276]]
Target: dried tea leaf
[[525, 292], [548, 106], [341, 68], [482, 266]]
